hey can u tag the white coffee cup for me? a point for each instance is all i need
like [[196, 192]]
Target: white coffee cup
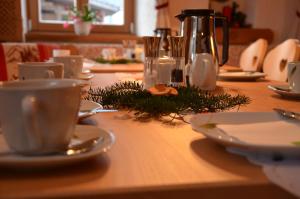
[[40, 70], [72, 65], [203, 72], [39, 116], [294, 76], [60, 53]]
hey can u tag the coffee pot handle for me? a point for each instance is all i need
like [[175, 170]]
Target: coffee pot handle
[[29, 109], [225, 43]]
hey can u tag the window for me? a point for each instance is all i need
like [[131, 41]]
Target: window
[[50, 15], [112, 10], [54, 12]]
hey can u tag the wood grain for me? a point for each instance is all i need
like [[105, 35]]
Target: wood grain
[[112, 68], [10, 21]]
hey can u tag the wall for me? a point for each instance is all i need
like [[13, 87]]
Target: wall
[[272, 14], [218, 7], [176, 6], [277, 15], [291, 25], [145, 18], [24, 17]]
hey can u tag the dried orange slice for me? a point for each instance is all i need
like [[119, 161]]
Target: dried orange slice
[[161, 89]]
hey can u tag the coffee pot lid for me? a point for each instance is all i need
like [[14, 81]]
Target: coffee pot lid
[[195, 12]]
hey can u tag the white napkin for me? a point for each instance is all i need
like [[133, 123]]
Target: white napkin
[[266, 128], [284, 173], [279, 133]]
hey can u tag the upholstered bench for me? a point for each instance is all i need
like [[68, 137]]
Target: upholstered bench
[[13, 53]]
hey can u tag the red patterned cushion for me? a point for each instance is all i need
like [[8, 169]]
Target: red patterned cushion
[[45, 50], [3, 71]]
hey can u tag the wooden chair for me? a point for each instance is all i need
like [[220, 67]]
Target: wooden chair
[[253, 56], [275, 64]]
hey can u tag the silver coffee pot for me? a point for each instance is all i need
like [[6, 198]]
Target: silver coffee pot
[[198, 28]]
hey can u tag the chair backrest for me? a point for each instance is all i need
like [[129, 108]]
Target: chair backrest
[[252, 57], [275, 64]]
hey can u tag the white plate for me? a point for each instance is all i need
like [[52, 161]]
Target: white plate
[[284, 91], [87, 109], [86, 76], [87, 105], [82, 132], [260, 132], [241, 76]]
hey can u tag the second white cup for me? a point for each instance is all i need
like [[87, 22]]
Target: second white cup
[[72, 65], [60, 52]]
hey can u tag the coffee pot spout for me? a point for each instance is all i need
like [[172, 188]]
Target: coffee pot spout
[[180, 17]]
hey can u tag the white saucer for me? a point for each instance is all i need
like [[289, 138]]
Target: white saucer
[[284, 91], [241, 76], [264, 133], [86, 76], [87, 105], [87, 109], [82, 133]]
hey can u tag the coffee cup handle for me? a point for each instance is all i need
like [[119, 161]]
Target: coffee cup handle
[[50, 74], [205, 72], [29, 110]]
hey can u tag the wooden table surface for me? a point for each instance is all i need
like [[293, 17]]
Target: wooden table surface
[[156, 160]]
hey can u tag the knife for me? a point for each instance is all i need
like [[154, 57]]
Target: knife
[[85, 114], [288, 114], [98, 110], [104, 110]]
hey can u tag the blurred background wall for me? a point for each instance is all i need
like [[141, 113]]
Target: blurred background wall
[[277, 15]]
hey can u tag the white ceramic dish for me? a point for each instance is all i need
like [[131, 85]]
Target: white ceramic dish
[[86, 73], [87, 109], [266, 133], [231, 69], [86, 76], [82, 133], [87, 105], [284, 91], [241, 76]]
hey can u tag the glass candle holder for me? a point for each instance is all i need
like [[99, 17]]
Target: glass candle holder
[[151, 46], [177, 53]]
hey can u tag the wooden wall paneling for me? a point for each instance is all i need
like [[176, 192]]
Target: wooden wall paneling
[[10, 20], [245, 36]]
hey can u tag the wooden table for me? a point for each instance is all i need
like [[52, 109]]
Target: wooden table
[[156, 160], [112, 68]]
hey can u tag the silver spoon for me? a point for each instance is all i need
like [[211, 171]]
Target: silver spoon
[[83, 147], [287, 114]]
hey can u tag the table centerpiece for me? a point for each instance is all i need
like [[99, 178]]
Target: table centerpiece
[[160, 100]]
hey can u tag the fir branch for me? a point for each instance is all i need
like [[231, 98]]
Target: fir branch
[[101, 60], [132, 96]]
